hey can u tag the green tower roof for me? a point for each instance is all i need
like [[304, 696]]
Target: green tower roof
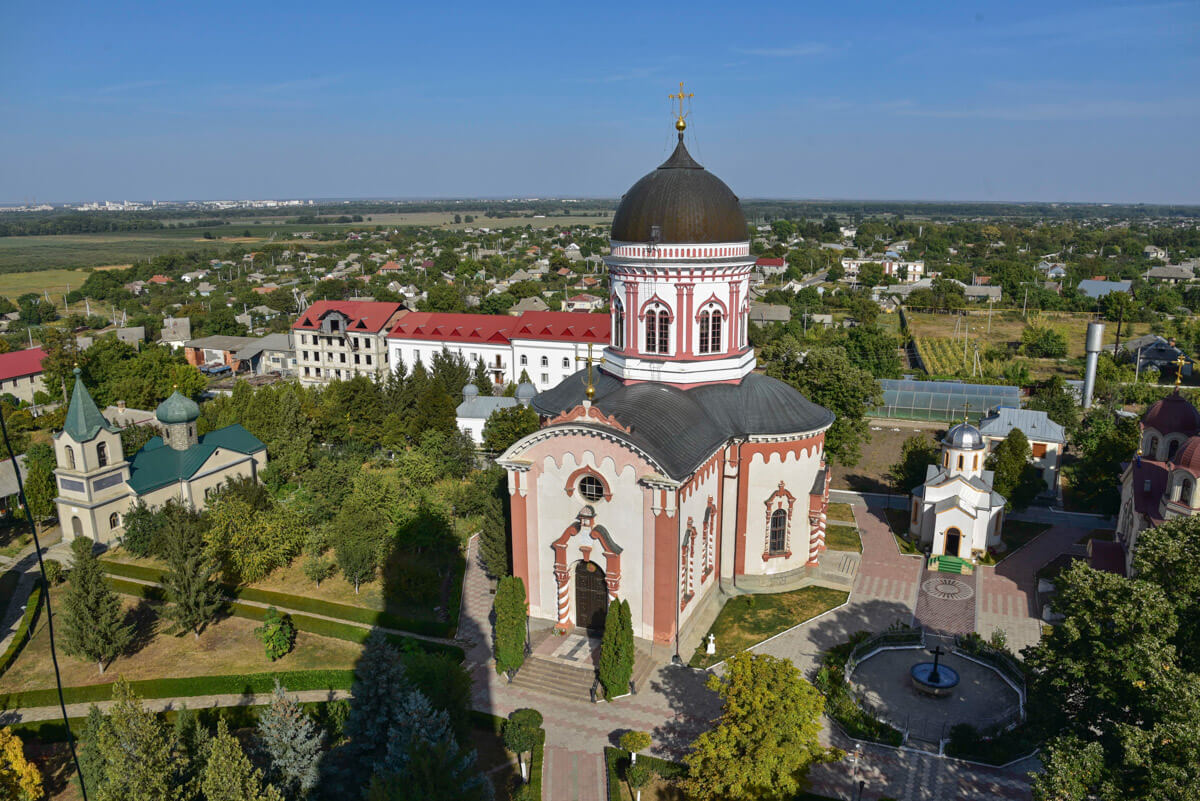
[[84, 420], [177, 409]]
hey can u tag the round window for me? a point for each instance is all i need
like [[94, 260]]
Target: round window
[[591, 488]]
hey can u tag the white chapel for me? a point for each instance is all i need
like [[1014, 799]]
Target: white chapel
[[956, 512]]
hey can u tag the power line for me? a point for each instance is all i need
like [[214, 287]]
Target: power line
[[62, 704]]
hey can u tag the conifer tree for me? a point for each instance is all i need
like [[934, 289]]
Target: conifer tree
[[228, 774], [291, 742], [434, 770], [379, 687], [93, 622], [611, 657], [40, 486], [511, 613], [481, 380], [91, 760], [493, 540], [628, 649], [434, 411], [138, 754], [193, 595]]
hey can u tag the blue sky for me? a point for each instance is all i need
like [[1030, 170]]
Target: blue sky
[[964, 100]]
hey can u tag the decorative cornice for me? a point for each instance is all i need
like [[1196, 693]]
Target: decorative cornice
[[588, 412]]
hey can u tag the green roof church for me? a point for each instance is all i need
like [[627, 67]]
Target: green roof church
[[97, 485]]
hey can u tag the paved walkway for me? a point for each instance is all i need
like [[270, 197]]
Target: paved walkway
[[25, 562], [9, 717]]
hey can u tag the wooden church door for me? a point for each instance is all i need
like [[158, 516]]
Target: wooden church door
[[591, 596]]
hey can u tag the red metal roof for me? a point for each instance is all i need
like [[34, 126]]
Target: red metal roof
[[365, 316], [500, 328], [20, 363], [763, 261]]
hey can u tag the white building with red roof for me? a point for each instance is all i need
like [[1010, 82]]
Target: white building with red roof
[[545, 345], [21, 373], [341, 339]]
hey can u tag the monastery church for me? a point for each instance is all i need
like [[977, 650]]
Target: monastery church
[[97, 485], [668, 473]]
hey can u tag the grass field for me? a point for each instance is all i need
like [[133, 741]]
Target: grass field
[[749, 619], [1006, 328], [13, 285], [227, 647], [30, 253]]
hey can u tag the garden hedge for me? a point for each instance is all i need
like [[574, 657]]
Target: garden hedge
[[312, 625], [25, 627], [235, 684], [315, 606], [615, 760]]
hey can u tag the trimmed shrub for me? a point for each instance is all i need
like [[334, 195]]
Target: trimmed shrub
[[54, 571], [277, 633], [511, 614], [25, 628]]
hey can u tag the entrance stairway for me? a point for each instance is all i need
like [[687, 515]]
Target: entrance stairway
[[553, 677], [951, 564]]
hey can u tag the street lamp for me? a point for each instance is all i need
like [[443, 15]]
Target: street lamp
[[854, 771]]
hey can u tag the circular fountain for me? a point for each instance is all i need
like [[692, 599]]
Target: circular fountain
[[934, 679]]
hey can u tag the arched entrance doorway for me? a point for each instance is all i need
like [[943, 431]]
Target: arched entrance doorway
[[953, 542], [591, 596]]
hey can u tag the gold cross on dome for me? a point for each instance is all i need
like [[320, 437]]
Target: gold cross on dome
[[1179, 363], [680, 96], [966, 412], [591, 387]]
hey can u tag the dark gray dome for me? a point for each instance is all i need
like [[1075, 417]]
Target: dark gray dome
[[964, 436], [687, 202]]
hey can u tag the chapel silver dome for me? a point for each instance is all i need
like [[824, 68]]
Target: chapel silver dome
[[965, 437]]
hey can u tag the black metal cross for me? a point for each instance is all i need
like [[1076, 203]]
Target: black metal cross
[[934, 678]]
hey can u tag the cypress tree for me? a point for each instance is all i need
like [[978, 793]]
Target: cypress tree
[[611, 659], [627, 648], [511, 614], [291, 742], [493, 540], [93, 622]]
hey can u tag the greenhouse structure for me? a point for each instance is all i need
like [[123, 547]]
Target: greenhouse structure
[[942, 400]]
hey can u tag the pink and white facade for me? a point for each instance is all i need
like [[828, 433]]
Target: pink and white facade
[[685, 476]]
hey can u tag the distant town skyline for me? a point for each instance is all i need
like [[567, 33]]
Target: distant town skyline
[[1020, 102]]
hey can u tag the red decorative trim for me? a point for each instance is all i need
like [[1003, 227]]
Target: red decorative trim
[[652, 301], [573, 481], [714, 299], [780, 499], [588, 414]]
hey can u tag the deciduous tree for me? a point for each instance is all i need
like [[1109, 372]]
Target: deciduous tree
[[40, 487], [505, 426], [766, 738], [20, 779], [917, 453]]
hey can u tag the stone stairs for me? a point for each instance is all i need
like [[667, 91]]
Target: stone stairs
[[539, 674]]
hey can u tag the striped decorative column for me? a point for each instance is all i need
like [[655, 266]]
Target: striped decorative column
[[564, 598]]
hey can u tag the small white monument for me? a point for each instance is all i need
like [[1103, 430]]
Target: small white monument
[[711, 648]]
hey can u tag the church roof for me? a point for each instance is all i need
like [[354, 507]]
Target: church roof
[[1173, 414], [157, 465], [84, 419], [685, 201], [177, 409], [680, 428]]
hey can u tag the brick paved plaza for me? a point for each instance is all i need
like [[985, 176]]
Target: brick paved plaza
[[674, 705]]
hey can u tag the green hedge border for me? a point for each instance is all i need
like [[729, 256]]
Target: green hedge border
[[183, 687], [25, 628], [315, 606], [305, 623], [614, 758]]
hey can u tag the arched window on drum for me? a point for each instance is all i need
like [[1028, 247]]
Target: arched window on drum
[[618, 323], [658, 329], [712, 321]]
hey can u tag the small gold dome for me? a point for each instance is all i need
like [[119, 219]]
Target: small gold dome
[[680, 124]]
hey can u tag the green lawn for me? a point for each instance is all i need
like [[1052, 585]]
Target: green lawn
[[840, 512], [750, 619], [843, 538], [898, 520], [905, 546]]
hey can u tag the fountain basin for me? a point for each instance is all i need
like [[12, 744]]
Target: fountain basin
[[937, 685]]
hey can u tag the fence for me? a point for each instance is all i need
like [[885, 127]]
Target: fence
[[1003, 663], [884, 640]]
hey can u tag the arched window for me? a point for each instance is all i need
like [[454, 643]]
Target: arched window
[[1171, 449], [710, 329], [976, 465], [1185, 491], [102, 454], [658, 331], [960, 462], [778, 531], [1153, 448], [945, 460], [618, 331], [114, 520], [70, 453]]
